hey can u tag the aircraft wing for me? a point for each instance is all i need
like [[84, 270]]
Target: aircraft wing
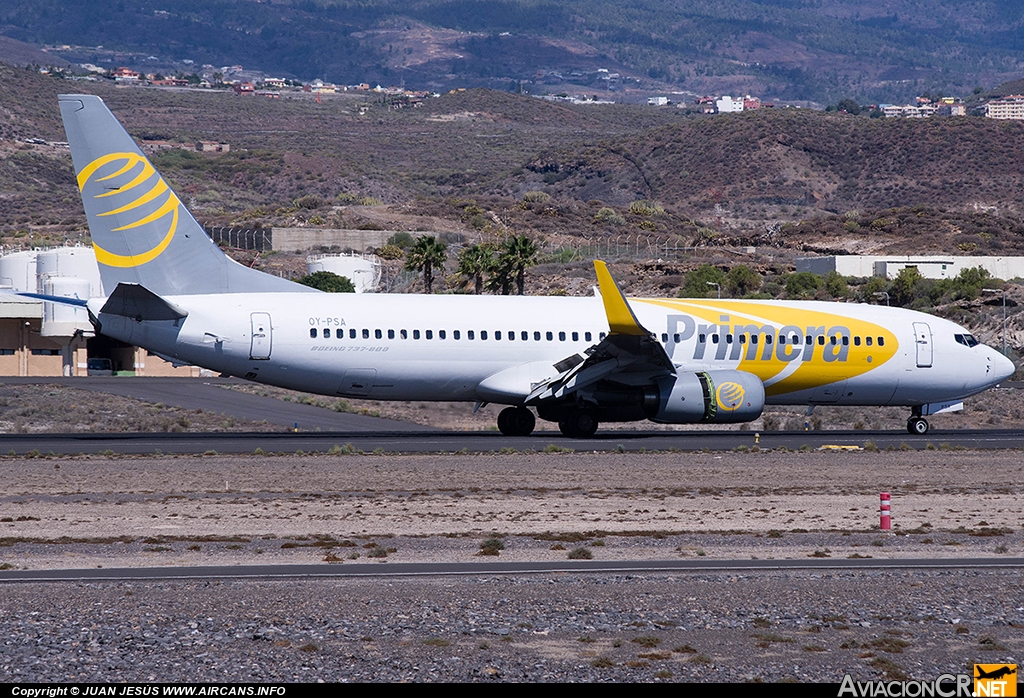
[[629, 354]]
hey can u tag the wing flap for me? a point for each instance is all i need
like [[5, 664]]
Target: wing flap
[[629, 354]]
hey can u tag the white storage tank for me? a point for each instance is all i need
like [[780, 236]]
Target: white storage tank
[[18, 271], [362, 270], [61, 320], [69, 262]]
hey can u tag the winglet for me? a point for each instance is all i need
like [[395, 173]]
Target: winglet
[[621, 319]]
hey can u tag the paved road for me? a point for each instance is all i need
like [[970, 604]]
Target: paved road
[[211, 395], [426, 569]]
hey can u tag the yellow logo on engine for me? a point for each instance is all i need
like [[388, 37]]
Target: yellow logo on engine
[[140, 172], [729, 396]]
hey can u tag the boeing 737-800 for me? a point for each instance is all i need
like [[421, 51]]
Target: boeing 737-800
[[576, 361]]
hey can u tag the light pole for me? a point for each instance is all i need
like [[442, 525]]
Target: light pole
[[717, 286]]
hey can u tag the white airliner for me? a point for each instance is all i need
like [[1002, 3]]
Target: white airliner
[[576, 361]]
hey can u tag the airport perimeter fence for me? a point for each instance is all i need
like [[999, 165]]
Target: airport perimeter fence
[[633, 247], [256, 239]]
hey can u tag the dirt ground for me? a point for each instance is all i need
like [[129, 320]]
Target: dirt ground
[[188, 510]]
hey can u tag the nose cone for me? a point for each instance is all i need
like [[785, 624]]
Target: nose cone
[[1002, 368]]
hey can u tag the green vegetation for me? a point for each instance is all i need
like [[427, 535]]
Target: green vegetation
[[328, 281]]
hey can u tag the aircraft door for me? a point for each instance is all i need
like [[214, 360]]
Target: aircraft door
[[923, 340], [261, 337]]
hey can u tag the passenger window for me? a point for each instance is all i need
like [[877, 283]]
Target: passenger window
[[856, 341], [524, 335], [366, 334], [483, 334], [351, 334], [470, 334], [312, 332], [664, 338], [415, 334], [441, 334], [497, 334], [675, 338], [391, 334], [821, 340], [378, 334], [511, 336], [833, 340], [714, 339], [549, 336], [587, 337], [868, 340], [456, 334], [881, 341], [702, 338], [561, 336], [536, 336], [809, 339], [846, 341], [743, 339], [753, 338], [575, 336], [403, 334], [768, 339], [602, 335], [429, 334]]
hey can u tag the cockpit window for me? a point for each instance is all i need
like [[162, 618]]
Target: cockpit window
[[967, 340]]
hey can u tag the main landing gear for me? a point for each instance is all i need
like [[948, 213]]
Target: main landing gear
[[578, 423], [917, 425], [516, 421]]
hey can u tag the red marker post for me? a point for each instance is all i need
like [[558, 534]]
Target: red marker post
[[883, 514]]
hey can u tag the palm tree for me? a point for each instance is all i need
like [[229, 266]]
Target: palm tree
[[518, 253], [426, 255], [474, 262]]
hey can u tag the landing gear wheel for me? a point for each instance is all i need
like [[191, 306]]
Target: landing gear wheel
[[516, 421], [917, 426], [579, 424]]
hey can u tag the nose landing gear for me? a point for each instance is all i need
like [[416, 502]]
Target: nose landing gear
[[917, 425]]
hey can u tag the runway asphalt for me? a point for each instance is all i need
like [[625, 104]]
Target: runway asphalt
[[321, 430], [485, 442], [488, 568]]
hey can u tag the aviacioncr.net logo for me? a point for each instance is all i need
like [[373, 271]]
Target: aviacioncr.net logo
[[133, 184], [730, 396]]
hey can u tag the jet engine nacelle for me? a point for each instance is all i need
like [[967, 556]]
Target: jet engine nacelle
[[717, 397]]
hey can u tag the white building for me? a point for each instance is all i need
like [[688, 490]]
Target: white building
[[728, 105], [930, 266], [1011, 107]]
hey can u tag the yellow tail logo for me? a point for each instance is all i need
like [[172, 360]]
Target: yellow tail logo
[[140, 172]]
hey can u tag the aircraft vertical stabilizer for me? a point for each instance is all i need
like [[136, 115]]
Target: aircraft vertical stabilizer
[[141, 231]]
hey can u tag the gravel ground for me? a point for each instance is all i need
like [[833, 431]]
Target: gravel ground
[[725, 627], [153, 511]]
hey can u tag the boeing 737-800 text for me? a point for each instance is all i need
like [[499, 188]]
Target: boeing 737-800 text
[[575, 361]]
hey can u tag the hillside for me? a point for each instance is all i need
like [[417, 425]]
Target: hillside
[[462, 164], [760, 164], [818, 50]]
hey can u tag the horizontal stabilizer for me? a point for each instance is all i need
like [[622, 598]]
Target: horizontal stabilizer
[[65, 300], [136, 302]]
